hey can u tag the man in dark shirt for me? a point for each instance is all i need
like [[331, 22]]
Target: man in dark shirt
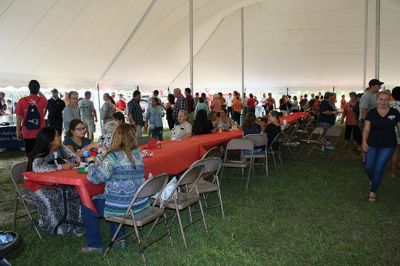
[[190, 105], [135, 113], [55, 108]]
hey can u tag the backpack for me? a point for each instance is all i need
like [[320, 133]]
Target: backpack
[[32, 118]]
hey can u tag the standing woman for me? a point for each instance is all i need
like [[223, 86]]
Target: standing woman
[[379, 139], [154, 117], [394, 164], [168, 108]]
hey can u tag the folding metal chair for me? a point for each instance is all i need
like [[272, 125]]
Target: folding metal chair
[[214, 152], [153, 214], [17, 177], [259, 140], [314, 139], [274, 149], [182, 200], [333, 136], [212, 167], [246, 148], [288, 141]]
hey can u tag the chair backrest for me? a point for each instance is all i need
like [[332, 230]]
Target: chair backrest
[[274, 142], [17, 171], [211, 165], [240, 144], [317, 133], [152, 186], [213, 152], [258, 139]]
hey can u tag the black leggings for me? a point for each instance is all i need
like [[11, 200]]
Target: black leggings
[[356, 133]]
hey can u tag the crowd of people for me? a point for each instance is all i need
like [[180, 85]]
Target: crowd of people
[[371, 118]]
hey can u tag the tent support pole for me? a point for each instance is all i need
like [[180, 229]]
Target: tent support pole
[[98, 97], [377, 38], [365, 45], [191, 43], [242, 44]]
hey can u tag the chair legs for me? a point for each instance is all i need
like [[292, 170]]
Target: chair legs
[[180, 225], [28, 212]]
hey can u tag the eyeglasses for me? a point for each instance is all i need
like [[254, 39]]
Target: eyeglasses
[[80, 128]]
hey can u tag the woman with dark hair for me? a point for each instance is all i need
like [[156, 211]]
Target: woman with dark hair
[[201, 124], [169, 111], [75, 140], [273, 128], [250, 126], [122, 171], [118, 117], [224, 121], [394, 162], [351, 122], [49, 155], [201, 105]]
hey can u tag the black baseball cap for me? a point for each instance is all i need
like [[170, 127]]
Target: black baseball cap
[[373, 82]]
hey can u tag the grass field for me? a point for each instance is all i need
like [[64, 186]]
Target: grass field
[[312, 212]]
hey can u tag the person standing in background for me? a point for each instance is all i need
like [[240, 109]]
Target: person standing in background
[[342, 103], [271, 105], [351, 122], [196, 98], [237, 106], [3, 105], [229, 104], [88, 114], [251, 104], [190, 105], [180, 104], [55, 106], [168, 109], [107, 109], [394, 162], [222, 99], [121, 103], [71, 111], [30, 111], [206, 101], [245, 100], [135, 113], [112, 98]]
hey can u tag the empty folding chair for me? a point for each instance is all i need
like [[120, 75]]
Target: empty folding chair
[[288, 141], [333, 136], [151, 214], [260, 140], [274, 149], [17, 177], [314, 140], [179, 201], [214, 152], [209, 181], [245, 149]]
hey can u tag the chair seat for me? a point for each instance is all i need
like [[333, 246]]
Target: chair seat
[[184, 200], [239, 164], [204, 186], [143, 217], [260, 154]]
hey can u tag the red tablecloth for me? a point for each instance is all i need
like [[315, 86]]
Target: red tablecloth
[[173, 158], [292, 118]]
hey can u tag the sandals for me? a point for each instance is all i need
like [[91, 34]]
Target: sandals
[[372, 197]]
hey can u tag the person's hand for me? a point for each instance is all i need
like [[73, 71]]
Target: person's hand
[[365, 147], [67, 166], [92, 145], [19, 135]]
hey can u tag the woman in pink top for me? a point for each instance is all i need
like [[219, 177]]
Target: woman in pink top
[[216, 104], [351, 121]]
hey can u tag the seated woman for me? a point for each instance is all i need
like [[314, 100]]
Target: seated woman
[[213, 117], [49, 155], [201, 124], [118, 117], [122, 171], [250, 126], [224, 121], [75, 140], [273, 128], [183, 129], [108, 131]]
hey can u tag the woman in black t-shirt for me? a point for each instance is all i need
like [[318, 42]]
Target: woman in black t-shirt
[[379, 139], [201, 124]]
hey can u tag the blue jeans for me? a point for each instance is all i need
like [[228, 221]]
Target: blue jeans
[[92, 225], [375, 162], [157, 133]]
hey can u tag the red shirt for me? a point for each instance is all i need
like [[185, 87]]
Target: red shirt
[[349, 114], [22, 109], [251, 102], [121, 105]]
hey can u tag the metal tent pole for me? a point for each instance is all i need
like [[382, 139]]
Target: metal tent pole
[[242, 44], [365, 45], [377, 38], [98, 100], [191, 43]]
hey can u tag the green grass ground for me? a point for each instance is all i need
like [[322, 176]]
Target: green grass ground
[[312, 212]]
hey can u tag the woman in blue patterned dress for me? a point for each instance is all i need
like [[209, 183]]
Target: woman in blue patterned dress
[[122, 170]]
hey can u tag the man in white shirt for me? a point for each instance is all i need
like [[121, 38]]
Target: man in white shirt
[[229, 104], [183, 129]]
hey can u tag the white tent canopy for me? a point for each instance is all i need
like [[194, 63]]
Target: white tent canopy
[[288, 43]]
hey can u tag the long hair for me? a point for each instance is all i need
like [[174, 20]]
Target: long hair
[[250, 120], [42, 145], [72, 125], [124, 139], [200, 122]]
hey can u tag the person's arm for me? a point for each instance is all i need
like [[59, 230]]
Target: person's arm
[[105, 110], [18, 128], [344, 114], [188, 131], [367, 127], [94, 114], [70, 155], [363, 112], [101, 173]]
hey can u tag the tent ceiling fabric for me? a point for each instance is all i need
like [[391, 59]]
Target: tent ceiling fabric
[[70, 43]]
